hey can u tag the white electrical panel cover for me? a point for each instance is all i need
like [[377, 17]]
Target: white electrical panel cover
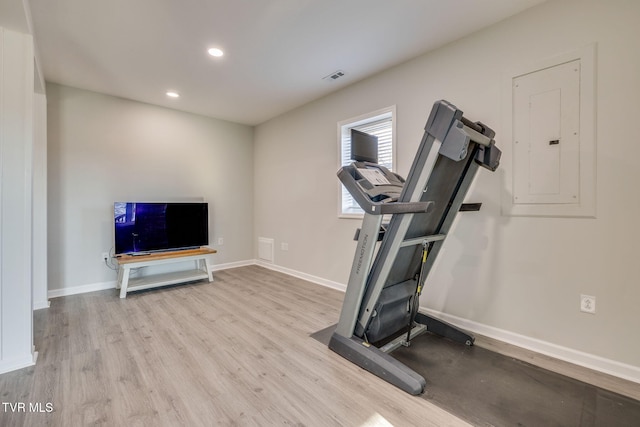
[[549, 142], [546, 146]]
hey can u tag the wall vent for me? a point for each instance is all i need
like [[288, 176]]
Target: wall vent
[[334, 76], [265, 249]]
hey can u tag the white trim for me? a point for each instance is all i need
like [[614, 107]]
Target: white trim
[[2, 143], [235, 264], [39, 203], [304, 276], [576, 357], [13, 365], [350, 215], [82, 289], [38, 305], [356, 121]]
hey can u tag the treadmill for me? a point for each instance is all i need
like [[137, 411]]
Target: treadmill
[[380, 308]]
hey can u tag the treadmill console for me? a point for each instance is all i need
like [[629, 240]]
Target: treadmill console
[[378, 182]]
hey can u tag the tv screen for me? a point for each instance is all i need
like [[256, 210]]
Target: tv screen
[[151, 227], [364, 147]]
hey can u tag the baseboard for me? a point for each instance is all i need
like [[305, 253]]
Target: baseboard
[[13, 365], [38, 305], [575, 357], [92, 287], [304, 276], [235, 264]]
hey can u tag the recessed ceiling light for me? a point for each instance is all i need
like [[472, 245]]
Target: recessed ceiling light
[[214, 51], [172, 94]]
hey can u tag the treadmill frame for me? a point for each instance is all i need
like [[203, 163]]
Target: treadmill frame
[[451, 145]]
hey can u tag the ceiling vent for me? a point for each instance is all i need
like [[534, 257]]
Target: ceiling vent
[[334, 76]]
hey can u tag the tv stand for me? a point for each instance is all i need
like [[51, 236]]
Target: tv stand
[[127, 262]]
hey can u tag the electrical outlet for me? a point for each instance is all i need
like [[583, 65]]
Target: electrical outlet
[[220, 241], [105, 256], [588, 304], [284, 246]]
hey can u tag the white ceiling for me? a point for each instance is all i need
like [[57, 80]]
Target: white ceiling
[[276, 51]]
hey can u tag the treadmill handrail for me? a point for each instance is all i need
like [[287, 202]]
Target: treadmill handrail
[[378, 208]]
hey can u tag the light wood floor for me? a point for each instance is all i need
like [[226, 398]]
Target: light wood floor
[[233, 352]]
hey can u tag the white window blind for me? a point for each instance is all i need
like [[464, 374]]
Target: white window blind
[[379, 124]]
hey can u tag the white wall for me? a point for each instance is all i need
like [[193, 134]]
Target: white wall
[[103, 149], [514, 277], [16, 144]]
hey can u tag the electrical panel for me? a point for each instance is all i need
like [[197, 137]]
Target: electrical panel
[[546, 136]]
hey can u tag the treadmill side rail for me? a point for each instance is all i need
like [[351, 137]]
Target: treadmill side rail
[[362, 260]]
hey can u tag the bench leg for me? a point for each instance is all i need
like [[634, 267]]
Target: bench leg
[[207, 266], [124, 282]]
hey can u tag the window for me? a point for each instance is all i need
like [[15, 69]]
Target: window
[[379, 123]]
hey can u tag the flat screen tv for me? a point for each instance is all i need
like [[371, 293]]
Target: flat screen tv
[[142, 227], [364, 147]]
